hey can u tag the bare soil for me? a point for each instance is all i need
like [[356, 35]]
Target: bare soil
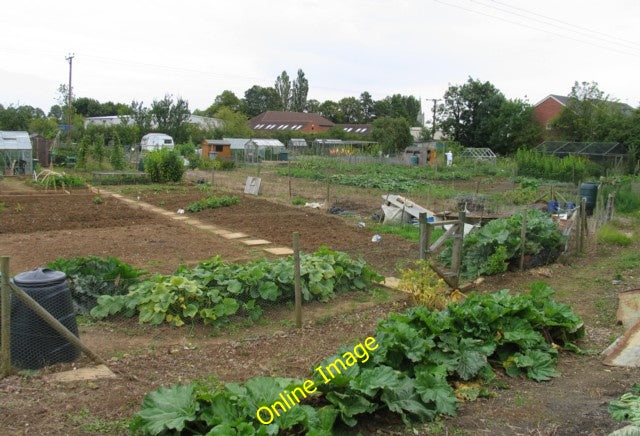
[[37, 228]]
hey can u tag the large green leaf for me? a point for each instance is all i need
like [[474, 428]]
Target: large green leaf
[[168, 409], [434, 389]]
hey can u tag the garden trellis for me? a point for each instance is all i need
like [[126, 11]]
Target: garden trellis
[[607, 153]]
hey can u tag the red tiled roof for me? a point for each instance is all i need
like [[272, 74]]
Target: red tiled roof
[[278, 117]]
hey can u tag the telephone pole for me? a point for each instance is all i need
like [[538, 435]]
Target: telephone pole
[[433, 126], [70, 59]]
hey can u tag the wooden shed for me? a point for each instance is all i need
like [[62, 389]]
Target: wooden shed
[[216, 148]]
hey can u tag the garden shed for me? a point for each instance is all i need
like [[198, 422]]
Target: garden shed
[[257, 150], [610, 154], [16, 154], [216, 148]]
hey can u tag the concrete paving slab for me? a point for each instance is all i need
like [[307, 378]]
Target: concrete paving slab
[[279, 251], [252, 242], [81, 374], [234, 235]]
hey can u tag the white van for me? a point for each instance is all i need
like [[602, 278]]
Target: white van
[[156, 141]]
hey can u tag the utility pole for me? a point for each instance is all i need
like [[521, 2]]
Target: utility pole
[[70, 59], [433, 126]]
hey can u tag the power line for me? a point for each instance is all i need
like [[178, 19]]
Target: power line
[[536, 28], [587, 32], [568, 24]]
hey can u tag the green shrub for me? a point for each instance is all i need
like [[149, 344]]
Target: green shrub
[[297, 201], [90, 277], [224, 164], [185, 149], [608, 234], [164, 166], [67, 180], [212, 203], [116, 159], [535, 164]]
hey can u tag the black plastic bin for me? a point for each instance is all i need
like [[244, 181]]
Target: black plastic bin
[[589, 190], [35, 344]]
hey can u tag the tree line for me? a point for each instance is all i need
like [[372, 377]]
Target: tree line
[[473, 114]]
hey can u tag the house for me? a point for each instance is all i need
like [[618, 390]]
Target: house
[[216, 148], [548, 108], [271, 121], [361, 129]]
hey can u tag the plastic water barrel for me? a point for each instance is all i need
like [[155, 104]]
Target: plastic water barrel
[[552, 207], [413, 160], [34, 344], [589, 190]]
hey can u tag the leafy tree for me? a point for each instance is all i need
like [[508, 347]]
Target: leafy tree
[[299, 92], [313, 106], [56, 112], [258, 99], [351, 110], [18, 118], [331, 110], [235, 124], [393, 134], [283, 89], [468, 112], [227, 99], [368, 107], [399, 106], [141, 116], [590, 115], [47, 127], [88, 107], [514, 127], [171, 117]]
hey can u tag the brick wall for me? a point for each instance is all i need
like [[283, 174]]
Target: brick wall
[[546, 110]]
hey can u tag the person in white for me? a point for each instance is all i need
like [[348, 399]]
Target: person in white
[[449, 156]]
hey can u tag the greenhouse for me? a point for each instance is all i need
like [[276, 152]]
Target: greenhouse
[[478, 154], [16, 155], [606, 153]]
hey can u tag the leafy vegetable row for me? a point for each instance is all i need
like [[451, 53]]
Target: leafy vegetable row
[[92, 276], [425, 362], [495, 246], [213, 290]]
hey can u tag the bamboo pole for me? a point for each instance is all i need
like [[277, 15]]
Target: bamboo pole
[[5, 300], [523, 238], [296, 274], [54, 323]]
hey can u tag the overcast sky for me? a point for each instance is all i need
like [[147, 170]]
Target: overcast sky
[[142, 50]]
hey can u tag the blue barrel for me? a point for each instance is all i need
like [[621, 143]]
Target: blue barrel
[[589, 190], [35, 344], [552, 206]]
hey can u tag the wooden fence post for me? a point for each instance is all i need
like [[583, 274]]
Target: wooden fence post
[[456, 252], [5, 301], [582, 220], [424, 242], [296, 274], [523, 238]]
